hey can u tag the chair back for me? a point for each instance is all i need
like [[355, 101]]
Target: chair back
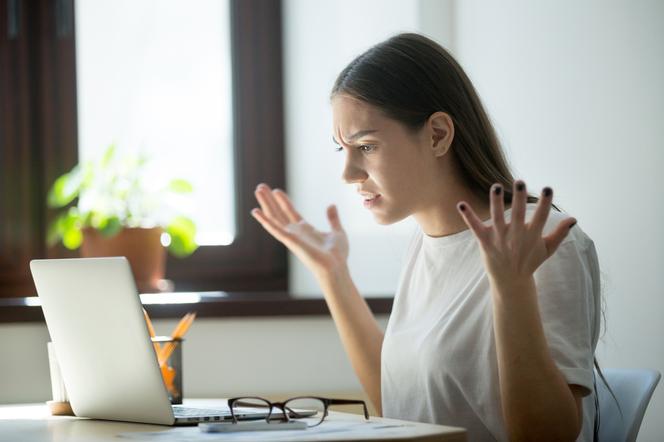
[[633, 389]]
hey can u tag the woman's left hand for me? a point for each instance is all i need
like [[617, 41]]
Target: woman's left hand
[[513, 251]]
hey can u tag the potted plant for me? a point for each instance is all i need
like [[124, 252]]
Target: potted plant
[[109, 208]]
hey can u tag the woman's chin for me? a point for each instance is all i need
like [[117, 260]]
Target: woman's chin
[[385, 219]]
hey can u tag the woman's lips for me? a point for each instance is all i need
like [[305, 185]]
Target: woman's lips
[[371, 202]]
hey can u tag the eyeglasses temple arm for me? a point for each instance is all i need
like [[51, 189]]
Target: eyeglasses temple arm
[[350, 402]]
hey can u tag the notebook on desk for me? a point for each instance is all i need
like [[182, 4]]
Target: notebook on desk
[[107, 360]]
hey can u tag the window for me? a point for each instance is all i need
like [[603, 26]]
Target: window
[[158, 82], [40, 116]]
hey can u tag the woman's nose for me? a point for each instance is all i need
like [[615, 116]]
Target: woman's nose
[[353, 173]]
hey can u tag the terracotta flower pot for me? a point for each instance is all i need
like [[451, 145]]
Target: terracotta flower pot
[[142, 247]]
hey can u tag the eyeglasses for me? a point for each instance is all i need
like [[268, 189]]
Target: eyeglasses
[[309, 409]]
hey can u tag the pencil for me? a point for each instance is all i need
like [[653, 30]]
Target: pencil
[[178, 333], [157, 346], [183, 325]]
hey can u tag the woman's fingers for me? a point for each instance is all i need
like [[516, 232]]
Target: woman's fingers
[[519, 198], [273, 228], [542, 212], [555, 238], [269, 204], [333, 217], [497, 207], [287, 206], [472, 220]]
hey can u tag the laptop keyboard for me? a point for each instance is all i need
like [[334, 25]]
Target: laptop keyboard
[[212, 413], [190, 415]]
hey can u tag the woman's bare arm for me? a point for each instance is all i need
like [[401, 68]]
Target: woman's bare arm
[[360, 334], [537, 402], [326, 254]]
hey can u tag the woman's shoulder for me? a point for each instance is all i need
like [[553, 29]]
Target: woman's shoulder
[[576, 234], [415, 241]]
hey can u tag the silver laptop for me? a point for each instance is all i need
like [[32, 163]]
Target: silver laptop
[[108, 364]]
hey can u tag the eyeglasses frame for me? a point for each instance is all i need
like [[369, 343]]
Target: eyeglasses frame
[[282, 406]]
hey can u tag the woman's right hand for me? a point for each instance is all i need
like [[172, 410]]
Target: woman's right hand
[[324, 253]]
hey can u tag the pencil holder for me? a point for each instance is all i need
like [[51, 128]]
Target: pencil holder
[[169, 355]]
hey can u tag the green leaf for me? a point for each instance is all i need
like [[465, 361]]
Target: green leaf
[[64, 228], [72, 238], [56, 229], [98, 220], [86, 219], [142, 160], [179, 185], [88, 175], [52, 234], [182, 231], [108, 155], [65, 188], [112, 227]]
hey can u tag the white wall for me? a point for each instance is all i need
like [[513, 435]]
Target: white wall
[[221, 358], [320, 39], [575, 90]]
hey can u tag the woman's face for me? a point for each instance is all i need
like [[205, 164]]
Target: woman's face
[[394, 168]]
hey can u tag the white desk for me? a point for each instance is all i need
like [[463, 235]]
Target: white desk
[[32, 422]]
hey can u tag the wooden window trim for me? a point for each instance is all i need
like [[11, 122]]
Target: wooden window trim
[[211, 305], [255, 261], [38, 136]]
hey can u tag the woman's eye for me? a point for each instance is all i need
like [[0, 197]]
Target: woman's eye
[[362, 148]]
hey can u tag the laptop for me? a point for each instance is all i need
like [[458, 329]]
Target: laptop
[[108, 363]]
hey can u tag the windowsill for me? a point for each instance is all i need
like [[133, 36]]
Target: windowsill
[[206, 305]]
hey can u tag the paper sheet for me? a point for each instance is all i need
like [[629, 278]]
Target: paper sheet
[[327, 431]]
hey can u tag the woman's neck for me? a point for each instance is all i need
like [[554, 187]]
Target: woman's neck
[[442, 218]]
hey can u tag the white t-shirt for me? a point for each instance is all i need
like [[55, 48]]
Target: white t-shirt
[[439, 361]]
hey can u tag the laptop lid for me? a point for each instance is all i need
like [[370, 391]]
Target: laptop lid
[[94, 316]]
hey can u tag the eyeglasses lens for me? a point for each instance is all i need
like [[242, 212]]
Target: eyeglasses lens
[[308, 410], [247, 406]]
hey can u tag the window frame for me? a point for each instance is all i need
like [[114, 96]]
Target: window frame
[[254, 261], [38, 110]]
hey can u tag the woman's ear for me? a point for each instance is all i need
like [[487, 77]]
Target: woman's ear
[[441, 130]]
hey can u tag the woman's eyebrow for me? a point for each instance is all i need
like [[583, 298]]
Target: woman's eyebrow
[[356, 135]]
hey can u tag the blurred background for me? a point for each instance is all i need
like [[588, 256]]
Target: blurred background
[[574, 90]]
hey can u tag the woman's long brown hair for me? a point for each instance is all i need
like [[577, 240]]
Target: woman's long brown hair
[[409, 77]]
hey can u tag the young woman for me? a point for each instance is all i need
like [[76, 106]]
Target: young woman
[[496, 317]]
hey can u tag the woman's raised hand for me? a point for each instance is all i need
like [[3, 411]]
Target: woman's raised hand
[[513, 251], [322, 252]]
